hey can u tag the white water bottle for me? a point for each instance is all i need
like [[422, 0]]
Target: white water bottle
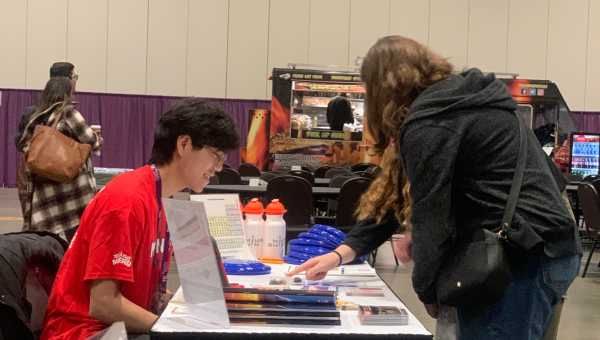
[[274, 231], [253, 227]]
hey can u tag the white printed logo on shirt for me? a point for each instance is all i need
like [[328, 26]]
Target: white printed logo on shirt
[[122, 258]]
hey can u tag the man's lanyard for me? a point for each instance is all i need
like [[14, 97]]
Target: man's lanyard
[[167, 241]]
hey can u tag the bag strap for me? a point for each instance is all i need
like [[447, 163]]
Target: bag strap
[[59, 115], [515, 188]]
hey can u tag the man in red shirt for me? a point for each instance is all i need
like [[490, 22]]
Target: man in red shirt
[[116, 265]]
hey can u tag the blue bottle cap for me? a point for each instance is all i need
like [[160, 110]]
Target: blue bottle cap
[[245, 267], [292, 260], [299, 255], [320, 238], [339, 234], [311, 242], [326, 235], [309, 249]]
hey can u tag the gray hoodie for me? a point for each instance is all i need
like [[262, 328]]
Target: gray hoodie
[[459, 145]]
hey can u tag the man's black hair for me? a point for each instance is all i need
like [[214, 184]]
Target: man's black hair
[[204, 121], [61, 69]]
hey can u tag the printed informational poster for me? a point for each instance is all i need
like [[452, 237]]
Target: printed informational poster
[[225, 222], [196, 261]]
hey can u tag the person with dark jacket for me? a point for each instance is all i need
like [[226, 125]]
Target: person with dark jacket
[[339, 112], [458, 142], [19, 253]]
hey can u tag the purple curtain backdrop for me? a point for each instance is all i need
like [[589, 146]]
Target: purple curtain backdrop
[[587, 121], [127, 121]]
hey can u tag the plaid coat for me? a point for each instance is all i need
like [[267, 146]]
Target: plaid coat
[[53, 206]]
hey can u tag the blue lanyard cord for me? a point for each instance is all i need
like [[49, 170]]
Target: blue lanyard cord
[[167, 240]]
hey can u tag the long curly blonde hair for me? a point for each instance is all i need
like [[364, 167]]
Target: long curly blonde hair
[[395, 71]]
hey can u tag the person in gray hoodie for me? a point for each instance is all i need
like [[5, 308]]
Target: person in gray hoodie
[[458, 141]]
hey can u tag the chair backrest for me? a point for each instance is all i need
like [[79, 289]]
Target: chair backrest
[[295, 194], [308, 167], [226, 166], [361, 167], [574, 178], [249, 169], [268, 176], [350, 194], [590, 206], [214, 180], [374, 169], [331, 173], [303, 174], [596, 185], [590, 178], [320, 171], [339, 179], [229, 177], [365, 174], [282, 168]]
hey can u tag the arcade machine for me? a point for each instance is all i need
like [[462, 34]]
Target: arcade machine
[[545, 110], [296, 130]]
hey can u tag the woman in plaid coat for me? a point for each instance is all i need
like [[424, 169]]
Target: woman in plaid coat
[[53, 206]]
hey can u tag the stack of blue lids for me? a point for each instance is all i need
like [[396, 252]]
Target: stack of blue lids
[[245, 267], [317, 241]]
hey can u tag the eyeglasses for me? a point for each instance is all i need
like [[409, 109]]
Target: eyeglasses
[[76, 76], [221, 159]]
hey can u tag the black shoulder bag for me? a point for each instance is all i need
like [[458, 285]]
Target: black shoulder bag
[[477, 272]]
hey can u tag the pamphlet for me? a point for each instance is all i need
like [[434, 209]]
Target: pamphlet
[[377, 292], [382, 315]]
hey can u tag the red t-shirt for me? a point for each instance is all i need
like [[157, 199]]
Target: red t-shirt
[[117, 239]]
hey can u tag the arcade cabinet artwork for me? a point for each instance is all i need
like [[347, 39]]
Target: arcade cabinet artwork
[[298, 129], [257, 149], [547, 114]]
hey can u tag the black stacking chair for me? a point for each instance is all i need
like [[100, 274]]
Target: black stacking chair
[[282, 168], [226, 166], [375, 170], [574, 178], [365, 174], [307, 167], [229, 177], [320, 171], [590, 178], [331, 173], [339, 179], [361, 167], [303, 174], [590, 205], [350, 195], [337, 182], [596, 185], [249, 170], [214, 180], [268, 176]]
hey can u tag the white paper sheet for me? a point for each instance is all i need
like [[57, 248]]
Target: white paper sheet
[[225, 222], [196, 261]]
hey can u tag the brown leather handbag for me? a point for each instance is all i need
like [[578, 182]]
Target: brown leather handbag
[[55, 156]]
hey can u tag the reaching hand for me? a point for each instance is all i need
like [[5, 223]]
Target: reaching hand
[[317, 267]]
